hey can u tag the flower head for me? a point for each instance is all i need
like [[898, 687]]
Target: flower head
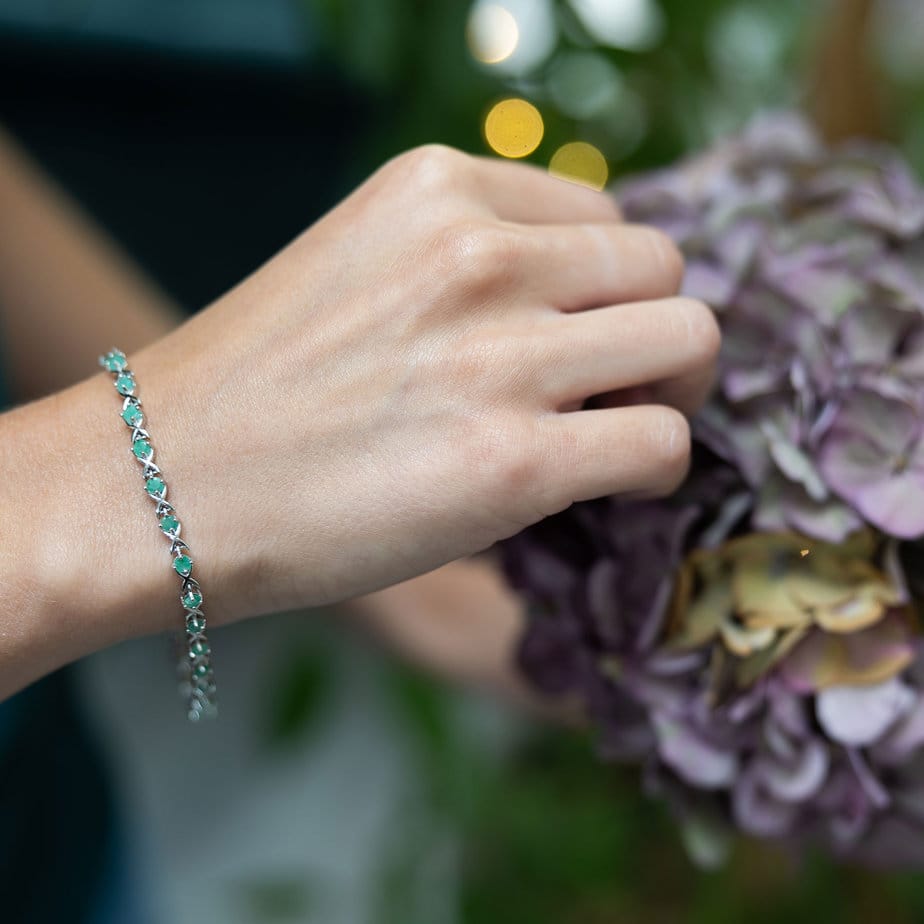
[[754, 640]]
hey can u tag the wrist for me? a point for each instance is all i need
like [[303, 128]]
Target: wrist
[[84, 567]]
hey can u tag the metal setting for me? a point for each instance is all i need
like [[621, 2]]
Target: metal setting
[[194, 668]]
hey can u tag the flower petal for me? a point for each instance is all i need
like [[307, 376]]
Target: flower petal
[[691, 757], [798, 780], [858, 716], [869, 656]]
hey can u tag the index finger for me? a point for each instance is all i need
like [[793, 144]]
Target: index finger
[[528, 194]]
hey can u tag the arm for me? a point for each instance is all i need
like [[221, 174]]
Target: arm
[[399, 388], [66, 291]]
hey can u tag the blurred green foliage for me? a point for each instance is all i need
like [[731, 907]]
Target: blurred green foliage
[[713, 65], [550, 835]]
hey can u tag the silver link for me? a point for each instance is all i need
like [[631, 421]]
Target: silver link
[[194, 667]]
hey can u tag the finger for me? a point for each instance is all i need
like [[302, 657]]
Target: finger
[[669, 344], [524, 193], [638, 450], [687, 393], [573, 267]]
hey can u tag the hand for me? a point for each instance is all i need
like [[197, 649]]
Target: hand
[[401, 386], [461, 622]]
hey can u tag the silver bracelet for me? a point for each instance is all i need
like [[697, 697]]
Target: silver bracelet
[[197, 679]]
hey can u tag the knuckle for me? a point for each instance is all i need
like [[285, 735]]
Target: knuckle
[[666, 257], [668, 437], [432, 167], [503, 455], [700, 329], [481, 254]]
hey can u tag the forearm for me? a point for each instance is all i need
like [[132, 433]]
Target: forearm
[[81, 563], [66, 291]]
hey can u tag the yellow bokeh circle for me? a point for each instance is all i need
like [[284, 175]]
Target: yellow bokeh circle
[[580, 162], [513, 128]]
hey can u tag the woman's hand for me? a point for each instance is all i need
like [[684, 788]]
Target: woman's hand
[[401, 386]]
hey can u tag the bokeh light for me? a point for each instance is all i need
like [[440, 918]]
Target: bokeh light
[[582, 163], [516, 51], [631, 24], [513, 128], [492, 33], [584, 84]]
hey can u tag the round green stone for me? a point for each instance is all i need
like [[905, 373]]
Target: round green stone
[[192, 599], [125, 385], [155, 486], [201, 670], [195, 624], [115, 361], [142, 448], [200, 648], [182, 564], [132, 416], [169, 523]]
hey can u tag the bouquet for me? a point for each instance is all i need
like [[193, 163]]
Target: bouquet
[[754, 642]]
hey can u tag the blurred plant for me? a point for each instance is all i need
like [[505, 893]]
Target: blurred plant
[[642, 81]]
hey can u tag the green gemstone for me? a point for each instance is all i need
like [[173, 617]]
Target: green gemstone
[[195, 624], [192, 600], [141, 448], [182, 564], [204, 686], [200, 648], [125, 385], [132, 416], [201, 670], [169, 524], [155, 486], [115, 361]]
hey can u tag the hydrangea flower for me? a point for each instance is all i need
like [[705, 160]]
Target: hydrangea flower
[[753, 642]]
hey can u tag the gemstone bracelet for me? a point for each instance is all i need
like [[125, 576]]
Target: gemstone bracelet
[[197, 679]]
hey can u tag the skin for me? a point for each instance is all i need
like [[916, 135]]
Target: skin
[[398, 389]]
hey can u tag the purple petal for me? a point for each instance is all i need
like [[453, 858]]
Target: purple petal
[[796, 780], [757, 811], [691, 757], [904, 738], [866, 459], [877, 794], [858, 716]]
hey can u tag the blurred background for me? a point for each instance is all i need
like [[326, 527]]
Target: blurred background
[[339, 785]]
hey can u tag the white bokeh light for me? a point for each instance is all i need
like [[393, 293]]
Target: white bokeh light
[[535, 27], [634, 25], [492, 33]]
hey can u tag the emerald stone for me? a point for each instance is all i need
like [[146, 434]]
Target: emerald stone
[[195, 624], [201, 670], [125, 384], [142, 448], [182, 564], [192, 600], [205, 687], [169, 524], [155, 486], [199, 648], [115, 361], [132, 416]]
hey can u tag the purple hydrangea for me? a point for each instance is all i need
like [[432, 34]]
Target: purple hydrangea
[[753, 641]]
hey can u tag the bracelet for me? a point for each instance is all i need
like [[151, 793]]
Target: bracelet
[[197, 679]]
